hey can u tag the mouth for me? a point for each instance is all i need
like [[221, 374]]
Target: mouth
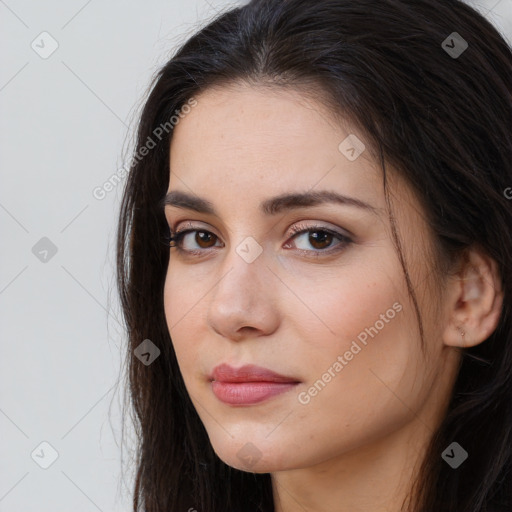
[[249, 384]]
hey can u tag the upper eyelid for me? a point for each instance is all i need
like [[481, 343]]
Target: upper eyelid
[[167, 209], [300, 224]]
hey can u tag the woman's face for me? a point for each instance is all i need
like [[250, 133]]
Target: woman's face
[[327, 308]]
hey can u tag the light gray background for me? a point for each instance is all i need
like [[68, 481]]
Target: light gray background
[[63, 125]]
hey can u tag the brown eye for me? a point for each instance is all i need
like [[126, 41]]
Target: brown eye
[[317, 240], [202, 239], [205, 237], [320, 239]]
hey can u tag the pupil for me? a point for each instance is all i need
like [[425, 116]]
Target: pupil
[[202, 236], [319, 237]]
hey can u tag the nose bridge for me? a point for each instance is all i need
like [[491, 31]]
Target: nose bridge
[[242, 296], [244, 266]]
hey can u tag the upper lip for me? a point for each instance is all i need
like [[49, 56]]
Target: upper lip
[[247, 373]]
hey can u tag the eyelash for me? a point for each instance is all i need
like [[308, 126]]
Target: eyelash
[[296, 230]]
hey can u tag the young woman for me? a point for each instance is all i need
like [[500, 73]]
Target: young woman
[[314, 256]]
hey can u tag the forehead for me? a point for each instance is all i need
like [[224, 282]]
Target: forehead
[[257, 141]]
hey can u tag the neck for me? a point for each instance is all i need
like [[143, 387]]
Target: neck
[[377, 477]]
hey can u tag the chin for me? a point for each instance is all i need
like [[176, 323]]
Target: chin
[[248, 457], [261, 467]]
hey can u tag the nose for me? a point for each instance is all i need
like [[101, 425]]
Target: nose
[[244, 301]]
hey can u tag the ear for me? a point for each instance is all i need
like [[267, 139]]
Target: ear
[[474, 301]]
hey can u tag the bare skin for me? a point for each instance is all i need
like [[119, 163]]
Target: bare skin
[[355, 443]]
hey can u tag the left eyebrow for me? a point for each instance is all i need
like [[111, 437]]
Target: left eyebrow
[[272, 206]]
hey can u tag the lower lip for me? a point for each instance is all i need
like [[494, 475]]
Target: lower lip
[[248, 393]]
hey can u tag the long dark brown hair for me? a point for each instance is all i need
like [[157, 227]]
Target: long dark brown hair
[[437, 111]]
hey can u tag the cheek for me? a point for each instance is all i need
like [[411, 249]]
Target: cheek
[[351, 306], [182, 311], [184, 296], [173, 294], [186, 290], [370, 352]]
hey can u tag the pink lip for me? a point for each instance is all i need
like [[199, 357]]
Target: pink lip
[[248, 385]]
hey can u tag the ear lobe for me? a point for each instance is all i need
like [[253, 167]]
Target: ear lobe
[[475, 301]]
